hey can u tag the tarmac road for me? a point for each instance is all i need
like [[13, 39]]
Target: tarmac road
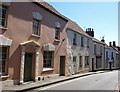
[[101, 81]]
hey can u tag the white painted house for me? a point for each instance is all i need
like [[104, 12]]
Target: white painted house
[[78, 49], [110, 56]]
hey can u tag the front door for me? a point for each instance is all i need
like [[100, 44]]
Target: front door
[[28, 67], [98, 62], [62, 65], [92, 64], [74, 65]]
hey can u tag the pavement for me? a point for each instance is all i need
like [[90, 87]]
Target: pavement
[[34, 85]]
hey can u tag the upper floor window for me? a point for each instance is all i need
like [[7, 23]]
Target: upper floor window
[[82, 41], [36, 24], [112, 56], [106, 54], [94, 49], [57, 33], [3, 16], [74, 39], [101, 50], [87, 42], [36, 27]]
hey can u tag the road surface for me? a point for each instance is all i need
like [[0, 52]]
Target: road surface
[[101, 81]]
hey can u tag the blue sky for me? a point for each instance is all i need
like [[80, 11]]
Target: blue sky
[[101, 16]]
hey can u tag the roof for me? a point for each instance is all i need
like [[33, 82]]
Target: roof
[[115, 48], [108, 47], [75, 27], [50, 8], [96, 40]]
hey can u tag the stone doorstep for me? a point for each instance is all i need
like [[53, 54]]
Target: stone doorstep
[[47, 77]]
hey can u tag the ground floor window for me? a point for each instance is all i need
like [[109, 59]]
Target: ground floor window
[[86, 61], [106, 63], [48, 58], [3, 60]]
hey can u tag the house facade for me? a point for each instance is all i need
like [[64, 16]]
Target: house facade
[[98, 59], [78, 49], [32, 42], [110, 57], [98, 47]]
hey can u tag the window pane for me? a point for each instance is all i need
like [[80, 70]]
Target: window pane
[[3, 52], [35, 27], [3, 11], [57, 33], [47, 59]]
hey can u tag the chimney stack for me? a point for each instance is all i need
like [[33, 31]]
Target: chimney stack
[[90, 32], [103, 39], [110, 44], [114, 43]]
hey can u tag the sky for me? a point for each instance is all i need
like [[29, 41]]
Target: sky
[[101, 16]]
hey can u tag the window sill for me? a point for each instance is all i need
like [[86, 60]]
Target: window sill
[[3, 28], [47, 69], [35, 35], [57, 40], [4, 76]]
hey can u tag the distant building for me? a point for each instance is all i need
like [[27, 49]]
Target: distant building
[[97, 50], [110, 56]]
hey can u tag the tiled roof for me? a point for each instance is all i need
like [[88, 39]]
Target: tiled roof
[[106, 46], [96, 40], [50, 8], [75, 27], [115, 48]]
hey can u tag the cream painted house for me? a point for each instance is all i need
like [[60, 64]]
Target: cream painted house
[[78, 49]]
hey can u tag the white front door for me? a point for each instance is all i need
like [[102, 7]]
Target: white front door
[[74, 65]]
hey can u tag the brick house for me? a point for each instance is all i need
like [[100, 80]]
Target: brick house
[[32, 42]]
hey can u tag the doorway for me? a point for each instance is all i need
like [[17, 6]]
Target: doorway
[[28, 67], [74, 65], [62, 65], [92, 64]]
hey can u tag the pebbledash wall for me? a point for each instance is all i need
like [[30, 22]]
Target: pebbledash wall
[[19, 32], [99, 51], [110, 56], [77, 50]]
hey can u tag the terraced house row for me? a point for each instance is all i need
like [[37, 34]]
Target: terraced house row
[[37, 42]]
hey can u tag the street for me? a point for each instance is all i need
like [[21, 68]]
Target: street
[[101, 81]]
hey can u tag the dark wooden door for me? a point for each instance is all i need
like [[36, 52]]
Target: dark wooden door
[[28, 67], [62, 65]]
